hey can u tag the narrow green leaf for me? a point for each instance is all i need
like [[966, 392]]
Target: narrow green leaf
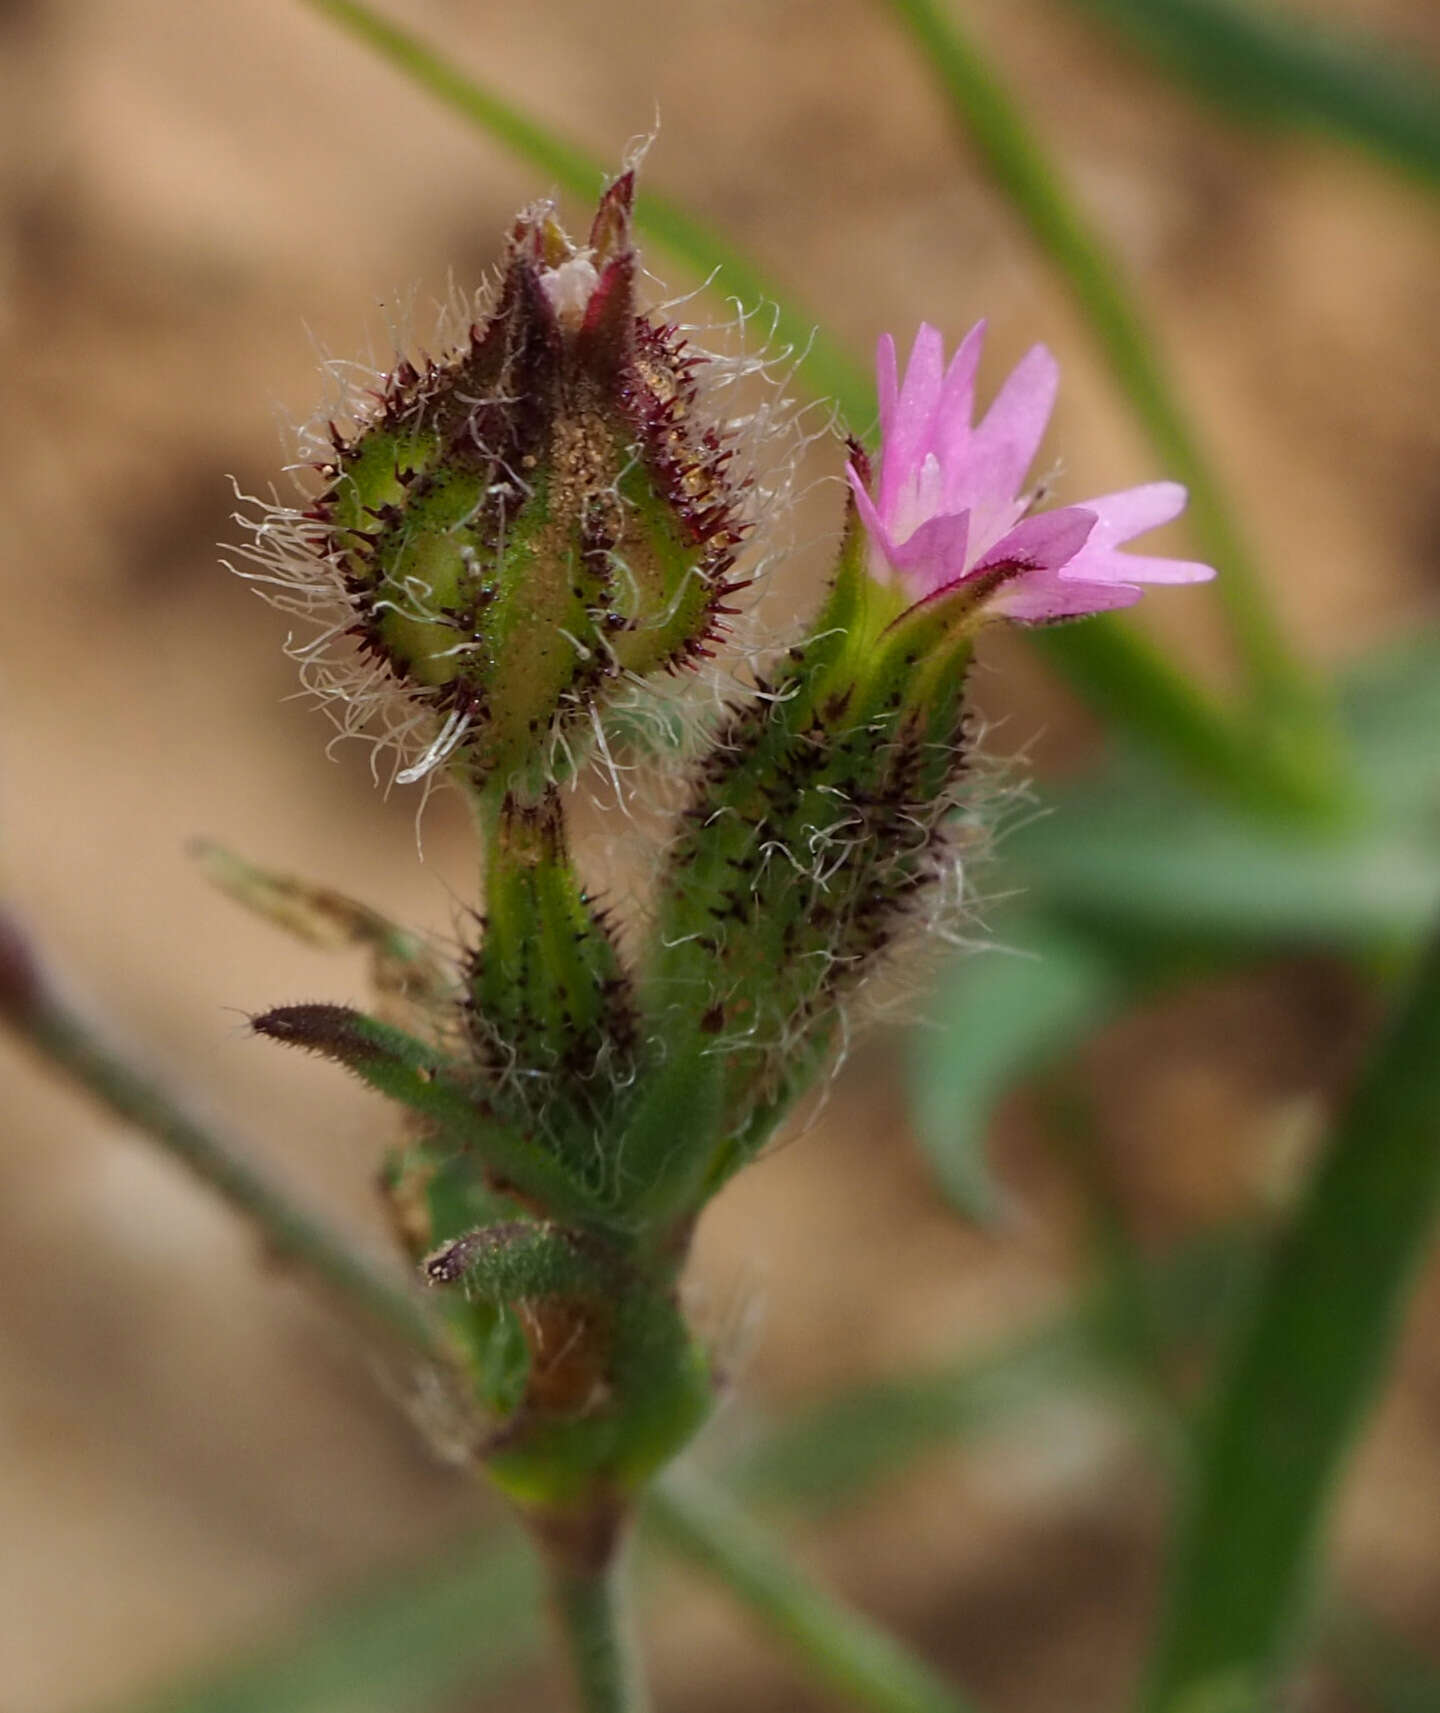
[[416, 1075], [1266, 62], [396, 1647], [1310, 1361], [1129, 853], [1390, 703], [997, 1016], [1137, 687], [1136, 855], [1287, 695], [836, 1645]]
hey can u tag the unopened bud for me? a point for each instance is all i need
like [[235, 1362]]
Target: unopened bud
[[519, 527]]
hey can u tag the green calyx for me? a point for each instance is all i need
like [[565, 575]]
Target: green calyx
[[814, 825], [543, 515]]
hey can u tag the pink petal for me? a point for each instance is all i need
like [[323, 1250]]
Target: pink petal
[[1041, 597], [956, 408], [1004, 445], [909, 431], [1125, 515], [1131, 512], [1042, 543], [934, 555], [1103, 567]]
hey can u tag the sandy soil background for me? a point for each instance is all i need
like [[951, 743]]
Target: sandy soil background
[[191, 197]]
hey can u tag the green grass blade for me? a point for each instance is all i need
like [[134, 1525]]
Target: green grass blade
[[836, 1645], [1124, 677], [1308, 1364], [829, 368], [404, 1647], [1019, 165], [1138, 688], [1258, 62]]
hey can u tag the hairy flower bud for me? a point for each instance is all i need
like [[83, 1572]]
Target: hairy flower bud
[[511, 533]]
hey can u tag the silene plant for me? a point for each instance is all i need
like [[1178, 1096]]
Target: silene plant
[[505, 557]]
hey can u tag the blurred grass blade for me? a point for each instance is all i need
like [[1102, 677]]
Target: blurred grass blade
[[830, 369], [1259, 61], [995, 125], [836, 1645], [1127, 679], [1310, 1359], [404, 1647], [1137, 687], [997, 1016]]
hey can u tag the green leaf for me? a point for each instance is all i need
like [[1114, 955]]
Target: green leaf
[[396, 1647], [1131, 853], [999, 1015], [1265, 62], [417, 1075], [1391, 707], [1309, 1363]]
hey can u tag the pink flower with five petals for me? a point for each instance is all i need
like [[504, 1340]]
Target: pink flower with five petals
[[949, 508]]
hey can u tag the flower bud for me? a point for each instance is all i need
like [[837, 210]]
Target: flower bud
[[516, 529]]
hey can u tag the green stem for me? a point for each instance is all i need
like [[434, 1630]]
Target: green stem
[[1310, 1360], [589, 1604], [1287, 695], [31, 1005], [838, 1646]]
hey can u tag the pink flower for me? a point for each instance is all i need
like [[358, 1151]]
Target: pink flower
[[949, 507]]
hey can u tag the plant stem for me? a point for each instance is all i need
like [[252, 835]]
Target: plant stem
[[838, 1646], [35, 1009], [1288, 697], [589, 1603]]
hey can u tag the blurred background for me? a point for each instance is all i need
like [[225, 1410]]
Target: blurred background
[[197, 201]]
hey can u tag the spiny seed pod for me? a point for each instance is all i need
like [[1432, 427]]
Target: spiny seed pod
[[512, 535]]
